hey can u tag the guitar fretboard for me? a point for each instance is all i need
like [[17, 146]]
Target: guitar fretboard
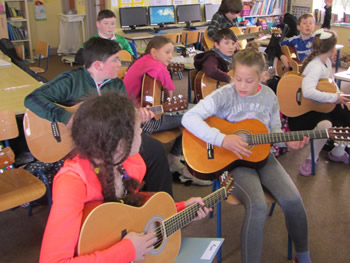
[[183, 218], [285, 136]]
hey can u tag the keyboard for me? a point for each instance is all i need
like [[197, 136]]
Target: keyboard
[[137, 30]]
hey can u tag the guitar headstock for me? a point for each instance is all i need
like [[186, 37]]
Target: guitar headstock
[[227, 181], [340, 135], [176, 67], [175, 104]]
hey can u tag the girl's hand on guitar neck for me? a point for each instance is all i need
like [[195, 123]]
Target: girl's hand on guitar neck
[[237, 145], [203, 211], [298, 144], [143, 243], [145, 114]]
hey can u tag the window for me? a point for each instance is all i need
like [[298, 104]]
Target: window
[[339, 7]]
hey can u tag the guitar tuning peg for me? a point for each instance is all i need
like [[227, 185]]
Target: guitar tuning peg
[[168, 99], [174, 98], [180, 96]]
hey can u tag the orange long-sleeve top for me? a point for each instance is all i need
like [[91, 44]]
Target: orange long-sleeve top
[[75, 185]]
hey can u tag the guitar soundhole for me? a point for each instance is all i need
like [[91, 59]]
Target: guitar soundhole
[[155, 226], [244, 134]]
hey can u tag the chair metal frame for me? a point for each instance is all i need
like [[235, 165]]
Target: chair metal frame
[[234, 201]]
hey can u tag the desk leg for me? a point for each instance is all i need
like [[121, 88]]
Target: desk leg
[[189, 86], [337, 61]]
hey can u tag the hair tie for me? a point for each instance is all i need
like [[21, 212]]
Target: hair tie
[[323, 34], [318, 32]]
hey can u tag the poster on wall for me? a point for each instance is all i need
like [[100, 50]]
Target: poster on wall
[[131, 3], [178, 2], [160, 2], [39, 11]]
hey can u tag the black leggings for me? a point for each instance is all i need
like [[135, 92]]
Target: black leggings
[[158, 176]]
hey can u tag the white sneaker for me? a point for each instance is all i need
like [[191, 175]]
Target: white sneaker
[[186, 176]]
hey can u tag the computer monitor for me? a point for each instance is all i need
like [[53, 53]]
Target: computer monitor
[[161, 15], [188, 14], [133, 16], [210, 10]]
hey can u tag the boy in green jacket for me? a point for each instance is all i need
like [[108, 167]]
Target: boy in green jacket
[[99, 75]]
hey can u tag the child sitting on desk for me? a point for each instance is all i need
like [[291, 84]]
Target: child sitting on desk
[[154, 62], [216, 62], [106, 24], [318, 66]]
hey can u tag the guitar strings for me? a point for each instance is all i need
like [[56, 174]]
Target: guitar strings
[[183, 218]]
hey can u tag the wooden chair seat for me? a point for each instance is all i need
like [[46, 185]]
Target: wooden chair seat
[[167, 136], [231, 199], [17, 187]]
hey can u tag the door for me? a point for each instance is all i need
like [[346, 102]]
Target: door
[[93, 7]]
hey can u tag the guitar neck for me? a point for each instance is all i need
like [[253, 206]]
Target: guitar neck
[[156, 109], [125, 63], [183, 218], [252, 35], [286, 136]]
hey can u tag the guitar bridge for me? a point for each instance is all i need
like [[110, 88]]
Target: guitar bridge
[[55, 131], [210, 151]]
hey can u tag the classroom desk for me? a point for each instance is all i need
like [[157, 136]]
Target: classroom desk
[[342, 76], [133, 37], [15, 85]]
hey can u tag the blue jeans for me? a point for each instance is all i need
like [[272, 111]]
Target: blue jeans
[[249, 185]]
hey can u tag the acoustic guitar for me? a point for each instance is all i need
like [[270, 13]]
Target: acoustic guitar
[[204, 85], [153, 94], [209, 43], [210, 161], [291, 99], [51, 141], [294, 62], [108, 223]]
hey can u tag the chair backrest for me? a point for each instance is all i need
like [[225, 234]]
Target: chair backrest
[[42, 48], [190, 37], [125, 57], [8, 125], [20, 51], [253, 29], [175, 37]]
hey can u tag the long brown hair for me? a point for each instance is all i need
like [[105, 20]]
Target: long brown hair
[[157, 42], [320, 46], [100, 126]]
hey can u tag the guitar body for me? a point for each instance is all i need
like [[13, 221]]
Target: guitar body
[[203, 85], [292, 55], [196, 154], [108, 222], [152, 92], [207, 42], [293, 104], [40, 140], [281, 69], [238, 32]]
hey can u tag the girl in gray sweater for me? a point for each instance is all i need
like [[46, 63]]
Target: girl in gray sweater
[[245, 99]]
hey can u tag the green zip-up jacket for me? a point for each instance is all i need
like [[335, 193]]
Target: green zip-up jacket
[[67, 89], [124, 44]]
